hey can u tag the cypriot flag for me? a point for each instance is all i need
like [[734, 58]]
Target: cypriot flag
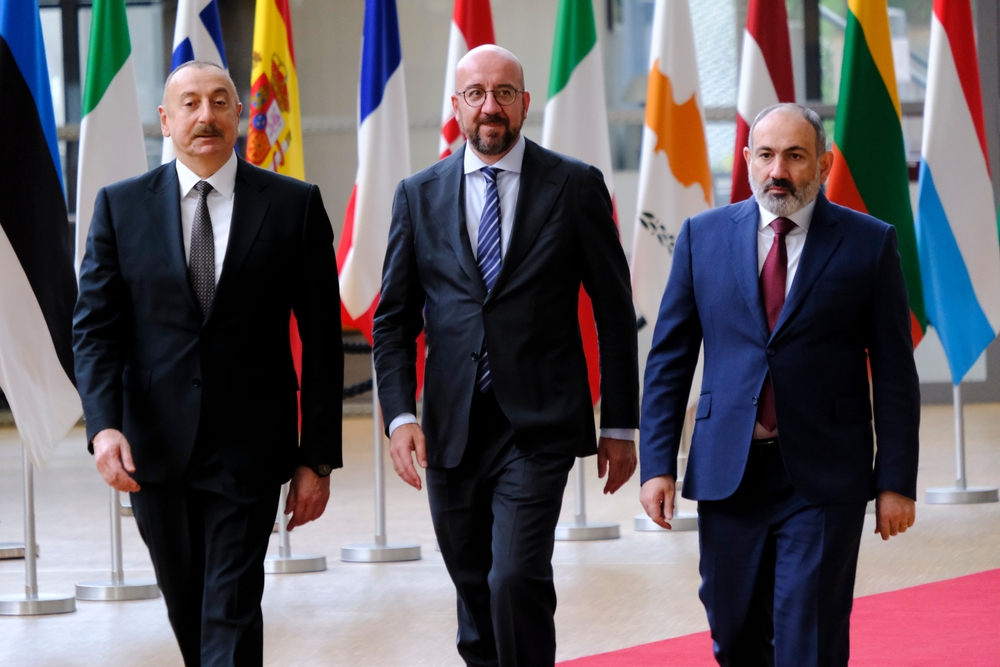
[[112, 147], [674, 177]]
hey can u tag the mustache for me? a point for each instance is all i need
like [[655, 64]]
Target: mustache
[[206, 130], [493, 118], [780, 183]]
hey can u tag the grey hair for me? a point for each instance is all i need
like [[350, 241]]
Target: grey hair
[[811, 116], [199, 64]]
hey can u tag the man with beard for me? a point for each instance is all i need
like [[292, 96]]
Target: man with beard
[[487, 252], [795, 298], [183, 362]]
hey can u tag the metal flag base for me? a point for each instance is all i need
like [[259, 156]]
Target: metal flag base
[[592, 531], [682, 521], [956, 496], [294, 564], [36, 605], [112, 591], [379, 553], [13, 550]]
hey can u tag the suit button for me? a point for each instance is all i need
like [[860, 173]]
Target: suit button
[[475, 356], [771, 352], [754, 400], [196, 382]]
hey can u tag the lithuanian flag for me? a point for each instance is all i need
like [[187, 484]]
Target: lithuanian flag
[[274, 140], [869, 171]]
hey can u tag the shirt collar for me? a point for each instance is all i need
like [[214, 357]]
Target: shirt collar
[[802, 217], [223, 181], [509, 162]]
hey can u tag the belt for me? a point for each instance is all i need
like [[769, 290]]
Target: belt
[[768, 441]]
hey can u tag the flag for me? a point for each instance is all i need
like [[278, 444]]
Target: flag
[[112, 147], [765, 78], [576, 124], [197, 36], [471, 26], [675, 181], [869, 169], [956, 218], [37, 285], [274, 138], [383, 161]]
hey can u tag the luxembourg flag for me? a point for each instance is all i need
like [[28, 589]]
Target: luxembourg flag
[[383, 161], [956, 221], [471, 26], [197, 36]]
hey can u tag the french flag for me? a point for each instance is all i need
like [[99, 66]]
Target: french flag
[[765, 78], [956, 221], [383, 161], [197, 36], [471, 26]]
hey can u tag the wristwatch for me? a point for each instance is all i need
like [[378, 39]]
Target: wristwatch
[[322, 469]]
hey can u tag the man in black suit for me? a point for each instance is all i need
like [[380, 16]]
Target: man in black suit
[[184, 365], [487, 252]]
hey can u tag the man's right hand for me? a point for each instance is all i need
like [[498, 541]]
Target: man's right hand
[[406, 440], [114, 459], [657, 498]]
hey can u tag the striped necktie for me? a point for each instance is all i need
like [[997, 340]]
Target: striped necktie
[[488, 256]]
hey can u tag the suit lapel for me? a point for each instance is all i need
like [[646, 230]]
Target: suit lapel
[[165, 218], [440, 194], [540, 185], [249, 208], [743, 258], [821, 242]]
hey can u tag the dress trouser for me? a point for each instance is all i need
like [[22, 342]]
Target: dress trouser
[[777, 572], [495, 516], [207, 536]]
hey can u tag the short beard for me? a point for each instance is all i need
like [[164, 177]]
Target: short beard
[[788, 204], [492, 146]]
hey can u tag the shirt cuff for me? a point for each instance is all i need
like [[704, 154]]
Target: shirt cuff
[[614, 433], [405, 418]]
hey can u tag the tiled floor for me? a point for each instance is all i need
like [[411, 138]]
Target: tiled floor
[[640, 588]]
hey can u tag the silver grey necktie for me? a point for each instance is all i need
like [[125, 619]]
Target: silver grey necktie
[[201, 259]]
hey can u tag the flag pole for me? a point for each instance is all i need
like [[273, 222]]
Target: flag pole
[[580, 530], [381, 551], [117, 588], [32, 603], [285, 562], [961, 493]]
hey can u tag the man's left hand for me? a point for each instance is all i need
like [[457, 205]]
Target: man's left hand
[[307, 496], [616, 458], [894, 513]]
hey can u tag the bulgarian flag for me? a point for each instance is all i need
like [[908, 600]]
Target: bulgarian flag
[[471, 26], [112, 147], [869, 170], [765, 78], [274, 139], [576, 124]]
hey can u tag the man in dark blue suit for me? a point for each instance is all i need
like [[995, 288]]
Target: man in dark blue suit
[[184, 365], [487, 252], [794, 298]]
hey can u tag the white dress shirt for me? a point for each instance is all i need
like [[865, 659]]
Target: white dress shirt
[[220, 207], [795, 241], [508, 186]]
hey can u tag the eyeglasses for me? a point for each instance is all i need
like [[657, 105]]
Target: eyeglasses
[[476, 97]]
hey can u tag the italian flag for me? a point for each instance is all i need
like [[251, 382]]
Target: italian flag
[[869, 170], [111, 143], [576, 124]]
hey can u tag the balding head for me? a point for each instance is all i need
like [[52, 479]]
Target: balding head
[[488, 58]]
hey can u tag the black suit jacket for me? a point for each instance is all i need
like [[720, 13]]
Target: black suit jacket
[[148, 363], [563, 236]]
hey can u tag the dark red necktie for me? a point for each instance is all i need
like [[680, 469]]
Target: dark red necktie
[[773, 278]]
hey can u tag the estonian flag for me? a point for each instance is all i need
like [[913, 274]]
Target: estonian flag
[[37, 284]]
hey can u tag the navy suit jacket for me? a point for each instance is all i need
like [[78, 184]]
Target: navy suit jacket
[[563, 236], [149, 364], [847, 308]]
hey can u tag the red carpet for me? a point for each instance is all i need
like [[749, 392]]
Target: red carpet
[[948, 623]]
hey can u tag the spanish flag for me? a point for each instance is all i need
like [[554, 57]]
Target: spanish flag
[[274, 140], [869, 170]]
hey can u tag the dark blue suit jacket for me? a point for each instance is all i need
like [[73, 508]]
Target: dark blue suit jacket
[[563, 236], [149, 364], [847, 307]]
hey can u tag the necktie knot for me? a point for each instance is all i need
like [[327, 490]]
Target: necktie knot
[[491, 174], [782, 226], [203, 188]]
